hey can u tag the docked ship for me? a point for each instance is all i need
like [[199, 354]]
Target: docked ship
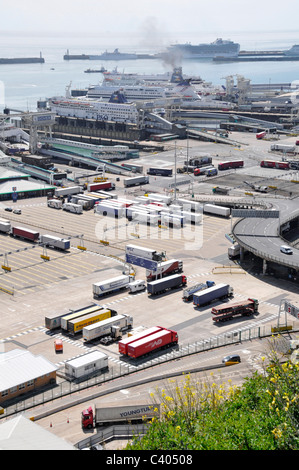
[[115, 55], [117, 109], [176, 76], [220, 47], [293, 51]]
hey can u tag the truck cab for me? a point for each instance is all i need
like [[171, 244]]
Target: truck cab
[[87, 418]]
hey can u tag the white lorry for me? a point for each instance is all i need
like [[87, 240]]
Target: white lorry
[[70, 207], [5, 226], [111, 285], [55, 242], [109, 327], [55, 203], [216, 210], [114, 414]]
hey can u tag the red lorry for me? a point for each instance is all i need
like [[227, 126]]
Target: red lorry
[[226, 312], [160, 340], [100, 186], [124, 343], [25, 233]]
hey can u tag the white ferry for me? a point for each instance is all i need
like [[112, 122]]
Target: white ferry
[[117, 109]]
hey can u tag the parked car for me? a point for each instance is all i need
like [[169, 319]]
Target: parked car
[[17, 211], [8, 209]]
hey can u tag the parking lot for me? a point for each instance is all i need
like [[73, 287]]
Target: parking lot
[[64, 281]]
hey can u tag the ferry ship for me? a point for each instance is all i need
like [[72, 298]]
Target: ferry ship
[[115, 55], [117, 109], [220, 47], [176, 76]]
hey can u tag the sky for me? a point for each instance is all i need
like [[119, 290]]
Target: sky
[[151, 19]]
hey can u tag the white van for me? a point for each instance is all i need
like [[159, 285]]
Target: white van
[[137, 286], [286, 249]]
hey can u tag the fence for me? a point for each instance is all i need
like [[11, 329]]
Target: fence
[[65, 387]]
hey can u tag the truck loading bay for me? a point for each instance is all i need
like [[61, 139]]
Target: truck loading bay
[[58, 282]]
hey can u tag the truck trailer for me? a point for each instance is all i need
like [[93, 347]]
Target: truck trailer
[[76, 325], [105, 327], [160, 171], [219, 291], [136, 181], [216, 210], [161, 340], [64, 322], [68, 191], [169, 282], [105, 415], [55, 242], [124, 343], [55, 203], [25, 233], [233, 251], [102, 186], [166, 268], [70, 207], [143, 252], [111, 285], [226, 312], [188, 293]]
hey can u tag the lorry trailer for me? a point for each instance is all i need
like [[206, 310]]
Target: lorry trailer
[[53, 319], [216, 210], [70, 207], [105, 415], [105, 327], [226, 312], [166, 268], [68, 191], [25, 233], [169, 282], [64, 322], [160, 171], [105, 185], [188, 293], [143, 252], [135, 181], [5, 226], [161, 340], [111, 285], [55, 203], [233, 251], [76, 325], [219, 291], [123, 343], [55, 242]]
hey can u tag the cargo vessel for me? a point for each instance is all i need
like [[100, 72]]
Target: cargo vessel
[[220, 47]]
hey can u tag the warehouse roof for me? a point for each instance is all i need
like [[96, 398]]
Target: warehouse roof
[[21, 433], [23, 186], [8, 173], [19, 366]]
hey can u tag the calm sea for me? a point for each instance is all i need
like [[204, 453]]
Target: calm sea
[[23, 85]]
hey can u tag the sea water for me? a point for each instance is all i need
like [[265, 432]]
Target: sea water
[[21, 86]]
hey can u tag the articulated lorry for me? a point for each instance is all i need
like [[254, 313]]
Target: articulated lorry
[[166, 268], [189, 291], [111, 285], [104, 415], [216, 210], [55, 242], [136, 181], [102, 186], [143, 252], [113, 326], [160, 171], [219, 291], [169, 282], [70, 207], [55, 203], [124, 343], [162, 339], [226, 312]]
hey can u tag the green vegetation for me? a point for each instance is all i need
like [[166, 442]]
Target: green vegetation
[[262, 414]]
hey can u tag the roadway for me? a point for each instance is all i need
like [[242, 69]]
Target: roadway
[[261, 235]]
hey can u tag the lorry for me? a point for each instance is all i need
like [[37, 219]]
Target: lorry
[[166, 268], [161, 340], [68, 191], [70, 207], [55, 242], [111, 285], [66, 318], [111, 326], [160, 171], [136, 181], [143, 252], [55, 203], [103, 186], [216, 210], [233, 251], [220, 190], [5, 226], [76, 325], [144, 217], [198, 161], [283, 148], [110, 208], [25, 233], [218, 291], [189, 291], [169, 282], [105, 415], [123, 343], [226, 312]]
